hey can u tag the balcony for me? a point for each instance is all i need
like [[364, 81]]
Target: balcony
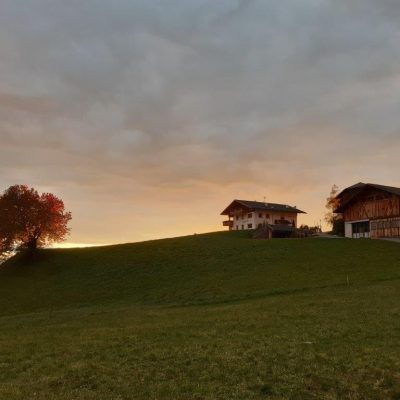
[[228, 223]]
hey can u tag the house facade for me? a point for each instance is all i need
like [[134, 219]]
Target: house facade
[[370, 211], [245, 214]]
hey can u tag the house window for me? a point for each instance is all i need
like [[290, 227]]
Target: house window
[[242, 226], [237, 227], [250, 226], [259, 215], [249, 215], [237, 217], [260, 225], [267, 215]]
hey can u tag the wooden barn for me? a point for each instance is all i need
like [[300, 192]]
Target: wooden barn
[[370, 210]]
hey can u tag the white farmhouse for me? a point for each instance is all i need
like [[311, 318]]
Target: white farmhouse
[[245, 214]]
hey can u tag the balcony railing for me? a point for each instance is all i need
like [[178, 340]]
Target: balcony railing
[[228, 223]]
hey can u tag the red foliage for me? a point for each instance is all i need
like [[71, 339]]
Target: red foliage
[[29, 220]]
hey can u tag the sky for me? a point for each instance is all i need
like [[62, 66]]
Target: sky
[[149, 117]]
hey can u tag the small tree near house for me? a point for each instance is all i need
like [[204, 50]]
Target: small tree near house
[[29, 220], [334, 220]]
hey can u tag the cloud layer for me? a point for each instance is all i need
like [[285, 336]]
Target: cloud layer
[[147, 117]]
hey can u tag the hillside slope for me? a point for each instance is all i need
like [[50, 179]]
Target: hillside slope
[[215, 316], [208, 268], [196, 269]]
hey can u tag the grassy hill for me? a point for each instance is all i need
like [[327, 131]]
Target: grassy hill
[[216, 316]]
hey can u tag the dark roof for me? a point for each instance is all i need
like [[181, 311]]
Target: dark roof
[[348, 194], [258, 205], [389, 189], [361, 185], [356, 186]]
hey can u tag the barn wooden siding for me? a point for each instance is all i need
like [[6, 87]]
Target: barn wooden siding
[[385, 228], [373, 208], [383, 210]]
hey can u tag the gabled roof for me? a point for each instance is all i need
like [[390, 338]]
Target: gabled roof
[[361, 185], [389, 189], [348, 194], [258, 205]]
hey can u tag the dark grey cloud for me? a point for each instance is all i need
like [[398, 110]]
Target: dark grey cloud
[[125, 101]]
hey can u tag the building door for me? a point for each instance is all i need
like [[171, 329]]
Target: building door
[[348, 232], [360, 229]]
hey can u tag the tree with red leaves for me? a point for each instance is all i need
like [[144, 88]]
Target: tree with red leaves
[[29, 220]]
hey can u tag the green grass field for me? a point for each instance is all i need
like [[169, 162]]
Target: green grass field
[[215, 316]]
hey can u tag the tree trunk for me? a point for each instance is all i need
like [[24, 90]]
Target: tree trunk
[[32, 245]]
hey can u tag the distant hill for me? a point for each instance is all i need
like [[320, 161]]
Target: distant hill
[[213, 316]]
